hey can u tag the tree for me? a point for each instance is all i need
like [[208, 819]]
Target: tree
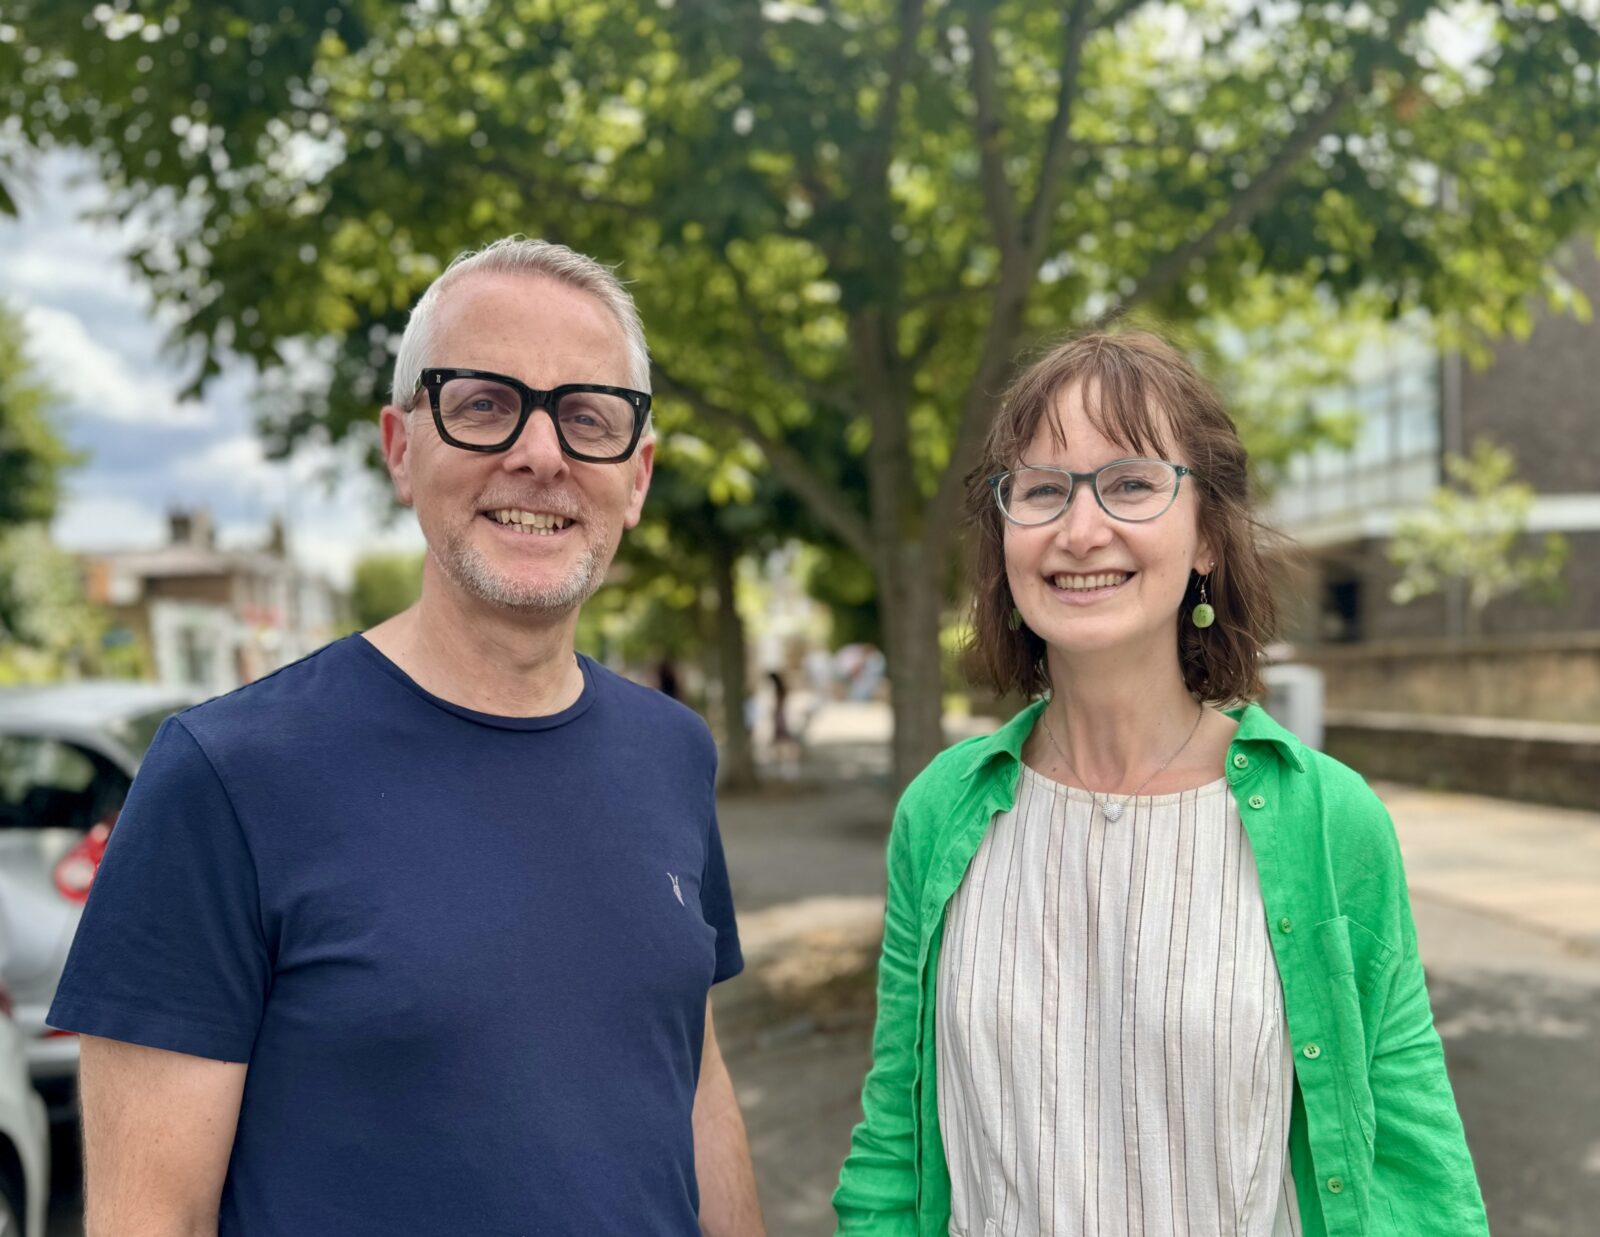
[[32, 456], [382, 585], [707, 509], [846, 219], [46, 625], [1474, 533], [48, 628]]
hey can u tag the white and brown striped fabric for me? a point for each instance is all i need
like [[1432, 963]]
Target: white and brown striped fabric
[[1112, 1051]]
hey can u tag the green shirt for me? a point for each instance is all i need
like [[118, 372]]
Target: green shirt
[[1375, 1143]]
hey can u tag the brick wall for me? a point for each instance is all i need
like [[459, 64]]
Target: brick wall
[[1541, 396]]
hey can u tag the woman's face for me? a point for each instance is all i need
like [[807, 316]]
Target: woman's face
[[1086, 582]]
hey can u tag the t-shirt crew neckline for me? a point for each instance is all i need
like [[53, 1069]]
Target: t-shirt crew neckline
[[548, 721]]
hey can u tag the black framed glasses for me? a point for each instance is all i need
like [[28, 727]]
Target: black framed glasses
[[1132, 490], [481, 411]]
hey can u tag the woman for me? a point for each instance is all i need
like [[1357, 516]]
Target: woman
[[1148, 962]]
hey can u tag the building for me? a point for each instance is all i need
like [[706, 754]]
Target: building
[[1539, 396], [214, 618]]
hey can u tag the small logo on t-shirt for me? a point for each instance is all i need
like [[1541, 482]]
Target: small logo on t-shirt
[[677, 892]]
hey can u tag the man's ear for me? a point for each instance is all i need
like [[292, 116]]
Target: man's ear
[[395, 425], [646, 457]]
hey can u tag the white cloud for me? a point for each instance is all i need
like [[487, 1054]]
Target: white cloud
[[240, 463], [51, 273], [103, 522], [96, 381]]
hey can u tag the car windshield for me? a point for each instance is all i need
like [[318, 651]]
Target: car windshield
[[48, 783]]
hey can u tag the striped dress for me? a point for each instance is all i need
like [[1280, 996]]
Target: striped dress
[[1113, 1056]]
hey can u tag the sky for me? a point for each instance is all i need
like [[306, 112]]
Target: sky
[[93, 337]]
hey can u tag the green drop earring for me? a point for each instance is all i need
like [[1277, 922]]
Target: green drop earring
[[1015, 621], [1202, 616]]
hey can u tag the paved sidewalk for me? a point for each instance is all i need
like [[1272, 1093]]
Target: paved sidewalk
[[1535, 866]]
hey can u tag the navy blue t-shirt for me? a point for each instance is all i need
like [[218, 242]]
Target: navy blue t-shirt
[[466, 957]]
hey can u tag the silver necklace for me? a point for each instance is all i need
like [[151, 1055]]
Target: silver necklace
[[1110, 808]]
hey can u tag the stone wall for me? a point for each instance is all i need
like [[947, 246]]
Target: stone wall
[[1549, 678], [1536, 762]]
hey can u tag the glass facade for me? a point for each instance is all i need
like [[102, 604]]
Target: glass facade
[[1393, 392]]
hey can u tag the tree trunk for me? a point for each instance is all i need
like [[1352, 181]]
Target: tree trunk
[[911, 594], [738, 755]]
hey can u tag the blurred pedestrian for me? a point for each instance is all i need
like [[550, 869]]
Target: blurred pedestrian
[[667, 679], [780, 701], [1148, 962], [417, 934], [785, 743]]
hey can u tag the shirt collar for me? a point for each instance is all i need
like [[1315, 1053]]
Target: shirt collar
[[1256, 726]]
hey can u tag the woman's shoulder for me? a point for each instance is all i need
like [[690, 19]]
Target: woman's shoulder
[[950, 769], [1353, 823], [1341, 788]]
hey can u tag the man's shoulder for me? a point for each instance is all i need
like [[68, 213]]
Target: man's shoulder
[[274, 703], [649, 709]]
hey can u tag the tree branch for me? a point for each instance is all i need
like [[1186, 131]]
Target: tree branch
[[944, 509], [909, 23], [827, 501], [1244, 207], [1059, 143], [996, 187]]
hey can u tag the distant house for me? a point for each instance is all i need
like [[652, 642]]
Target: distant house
[[214, 618], [1540, 397]]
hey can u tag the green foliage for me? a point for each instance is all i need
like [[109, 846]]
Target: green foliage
[[844, 222], [838, 578], [32, 457], [702, 495], [382, 585], [814, 200], [47, 628], [1475, 532]]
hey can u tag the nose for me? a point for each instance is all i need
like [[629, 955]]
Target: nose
[[537, 450], [1084, 526]]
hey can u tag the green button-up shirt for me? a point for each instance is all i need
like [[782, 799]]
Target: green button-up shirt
[[1375, 1143]]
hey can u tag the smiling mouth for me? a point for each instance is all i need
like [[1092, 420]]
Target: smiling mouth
[[1088, 583], [536, 523]]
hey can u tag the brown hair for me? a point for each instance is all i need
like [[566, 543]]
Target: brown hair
[[1140, 390]]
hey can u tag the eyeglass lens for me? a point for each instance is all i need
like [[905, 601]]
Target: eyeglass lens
[[484, 413], [1131, 490]]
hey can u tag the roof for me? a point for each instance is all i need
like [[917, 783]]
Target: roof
[[188, 560]]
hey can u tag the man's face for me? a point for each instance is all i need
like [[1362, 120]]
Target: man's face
[[487, 517]]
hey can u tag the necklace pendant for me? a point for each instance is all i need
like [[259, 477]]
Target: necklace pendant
[[1111, 811]]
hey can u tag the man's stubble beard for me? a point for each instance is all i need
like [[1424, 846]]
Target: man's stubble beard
[[467, 565]]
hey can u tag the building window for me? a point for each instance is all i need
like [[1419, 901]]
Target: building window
[[1393, 391]]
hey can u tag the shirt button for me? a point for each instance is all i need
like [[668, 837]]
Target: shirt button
[[1311, 1052], [1286, 924], [1335, 1185], [1256, 801], [1241, 761]]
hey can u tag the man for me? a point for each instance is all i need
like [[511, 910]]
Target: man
[[416, 935]]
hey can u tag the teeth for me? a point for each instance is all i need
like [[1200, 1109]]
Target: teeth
[[1105, 579], [541, 522]]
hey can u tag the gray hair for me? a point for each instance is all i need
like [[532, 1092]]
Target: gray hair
[[518, 255]]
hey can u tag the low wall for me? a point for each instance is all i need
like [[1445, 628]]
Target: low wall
[[1539, 762], [1536, 678]]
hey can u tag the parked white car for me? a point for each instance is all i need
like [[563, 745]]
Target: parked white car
[[68, 753], [24, 1133]]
